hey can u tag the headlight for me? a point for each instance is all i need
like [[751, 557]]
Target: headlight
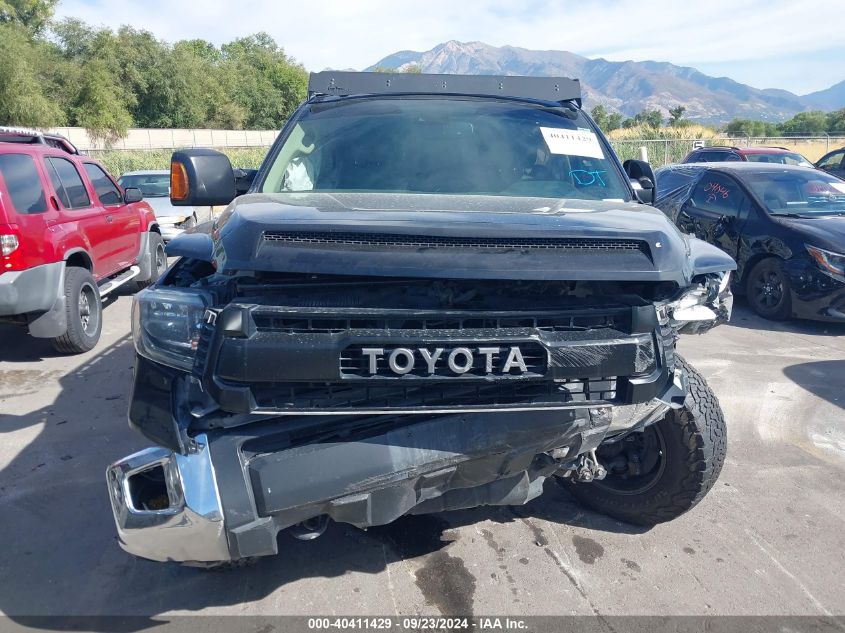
[[702, 306], [166, 325], [833, 263]]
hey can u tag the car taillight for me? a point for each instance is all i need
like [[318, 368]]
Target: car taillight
[[8, 244], [10, 251]]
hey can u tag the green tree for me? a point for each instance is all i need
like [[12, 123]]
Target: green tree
[[266, 83], [650, 118], [646, 118], [202, 49], [750, 127], [812, 123], [32, 15], [836, 122], [676, 114], [607, 121], [599, 114], [99, 109], [614, 121], [24, 90]]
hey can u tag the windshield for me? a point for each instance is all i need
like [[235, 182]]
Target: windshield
[[810, 193], [151, 185], [784, 158], [454, 146]]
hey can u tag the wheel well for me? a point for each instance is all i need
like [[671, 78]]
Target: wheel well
[[751, 263], [80, 259]]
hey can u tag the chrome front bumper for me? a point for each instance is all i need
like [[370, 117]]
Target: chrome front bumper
[[187, 524], [167, 506]]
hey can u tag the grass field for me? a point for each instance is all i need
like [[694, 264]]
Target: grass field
[[120, 161]]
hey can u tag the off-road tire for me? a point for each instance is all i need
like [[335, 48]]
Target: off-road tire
[[158, 260], [769, 271], [695, 438], [81, 296]]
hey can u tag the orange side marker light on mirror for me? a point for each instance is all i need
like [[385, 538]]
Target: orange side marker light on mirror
[[179, 189]]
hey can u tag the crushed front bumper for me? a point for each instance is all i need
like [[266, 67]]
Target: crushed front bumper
[[230, 496], [187, 524]]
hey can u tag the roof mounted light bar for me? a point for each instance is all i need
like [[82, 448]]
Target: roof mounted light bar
[[345, 83], [11, 134]]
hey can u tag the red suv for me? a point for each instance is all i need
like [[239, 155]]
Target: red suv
[[68, 236], [718, 154]]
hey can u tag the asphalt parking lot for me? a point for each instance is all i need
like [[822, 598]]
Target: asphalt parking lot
[[768, 540]]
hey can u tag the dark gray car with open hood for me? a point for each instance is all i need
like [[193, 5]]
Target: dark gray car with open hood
[[439, 292]]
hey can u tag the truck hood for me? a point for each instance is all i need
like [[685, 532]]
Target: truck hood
[[444, 236]]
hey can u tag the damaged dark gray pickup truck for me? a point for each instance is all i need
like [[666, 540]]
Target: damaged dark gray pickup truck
[[438, 293]]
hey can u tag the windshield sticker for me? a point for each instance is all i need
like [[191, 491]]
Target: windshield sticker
[[715, 190], [586, 178], [840, 187], [572, 142]]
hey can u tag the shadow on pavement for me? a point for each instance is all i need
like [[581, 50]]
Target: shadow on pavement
[[744, 317], [19, 347], [821, 378], [61, 556]]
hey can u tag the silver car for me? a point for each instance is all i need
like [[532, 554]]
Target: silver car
[[155, 187]]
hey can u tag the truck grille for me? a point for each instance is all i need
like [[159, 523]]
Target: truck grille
[[275, 322], [357, 360], [326, 238], [318, 397]]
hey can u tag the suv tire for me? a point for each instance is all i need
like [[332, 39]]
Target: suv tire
[[768, 290], [692, 442], [158, 261], [84, 313]]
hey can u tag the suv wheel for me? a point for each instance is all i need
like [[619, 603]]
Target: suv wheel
[[84, 313], [158, 261], [768, 290], [676, 461]]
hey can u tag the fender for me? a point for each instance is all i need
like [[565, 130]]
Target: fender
[[69, 240], [52, 323], [83, 254], [197, 245], [148, 217], [705, 258]]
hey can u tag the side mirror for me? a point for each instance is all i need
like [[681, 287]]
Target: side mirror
[[132, 194], [641, 172], [201, 177], [243, 180]]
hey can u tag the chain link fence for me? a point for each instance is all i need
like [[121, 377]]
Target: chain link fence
[[151, 149], [661, 152]]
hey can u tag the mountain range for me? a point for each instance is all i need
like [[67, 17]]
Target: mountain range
[[627, 87]]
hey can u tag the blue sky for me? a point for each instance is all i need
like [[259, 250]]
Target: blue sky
[[797, 45]]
